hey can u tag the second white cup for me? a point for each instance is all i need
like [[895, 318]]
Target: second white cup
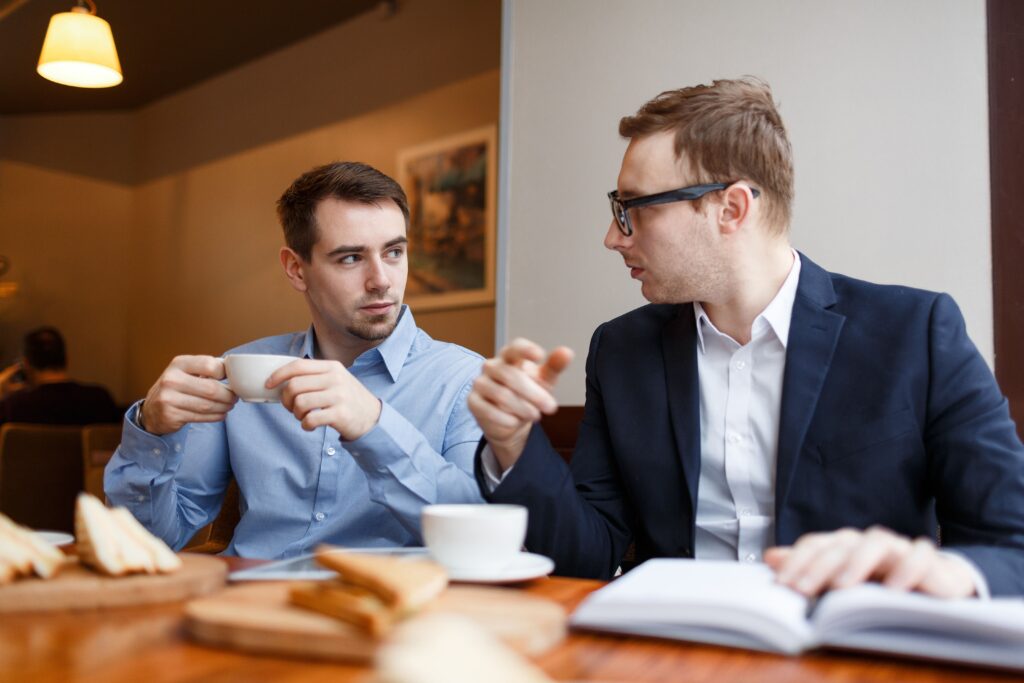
[[474, 538], [248, 373]]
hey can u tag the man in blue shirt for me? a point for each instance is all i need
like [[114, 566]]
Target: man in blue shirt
[[372, 423]]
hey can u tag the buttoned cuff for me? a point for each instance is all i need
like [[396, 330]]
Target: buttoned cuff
[[149, 451], [493, 476], [980, 584]]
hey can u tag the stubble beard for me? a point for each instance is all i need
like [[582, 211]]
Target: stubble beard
[[377, 327]]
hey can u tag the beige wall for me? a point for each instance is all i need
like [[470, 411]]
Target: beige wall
[[152, 233], [66, 236], [885, 103]]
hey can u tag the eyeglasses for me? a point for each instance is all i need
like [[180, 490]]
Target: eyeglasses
[[621, 207]]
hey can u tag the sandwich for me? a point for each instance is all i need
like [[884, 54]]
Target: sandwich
[[22, 553], [372, 592], [114, 543], [446, 648]]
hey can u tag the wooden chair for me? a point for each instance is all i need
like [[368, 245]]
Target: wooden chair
[[40, 474], [99, 441]]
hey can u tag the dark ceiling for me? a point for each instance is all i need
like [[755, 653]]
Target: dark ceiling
[[164, 45]]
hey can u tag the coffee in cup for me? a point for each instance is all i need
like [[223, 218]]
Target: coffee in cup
[[248, 374], [474, 538]]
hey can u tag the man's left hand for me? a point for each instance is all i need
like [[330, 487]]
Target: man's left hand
[[323, 392], [844, 558]]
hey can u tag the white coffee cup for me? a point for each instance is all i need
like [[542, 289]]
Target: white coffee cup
[[248, 374], [474, 538]]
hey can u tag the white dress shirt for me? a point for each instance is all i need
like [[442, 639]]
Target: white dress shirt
[[740, 404]]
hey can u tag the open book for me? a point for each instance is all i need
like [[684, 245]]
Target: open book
[[740, 605]]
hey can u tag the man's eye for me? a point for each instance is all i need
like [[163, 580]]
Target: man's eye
[[395, 253], [349, 259]]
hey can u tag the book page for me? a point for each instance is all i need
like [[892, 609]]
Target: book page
[[874, 618], [725, 603]]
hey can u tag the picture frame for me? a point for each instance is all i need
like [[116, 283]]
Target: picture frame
[[451, 184]]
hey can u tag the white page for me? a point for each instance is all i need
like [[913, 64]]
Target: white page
[[727, 603], [871, 617]]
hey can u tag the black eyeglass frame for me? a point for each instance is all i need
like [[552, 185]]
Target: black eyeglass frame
[[621, 207]]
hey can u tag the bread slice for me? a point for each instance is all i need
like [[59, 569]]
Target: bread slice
[[162, 558], [97, 541], [45, 559], [13, 552], [113, 542], [356, 606], [404, 585], [446, 648]]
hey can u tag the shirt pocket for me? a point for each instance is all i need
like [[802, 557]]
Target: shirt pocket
[[875, 436]]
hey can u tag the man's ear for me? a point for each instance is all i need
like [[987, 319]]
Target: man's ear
[[736, 208], [293, 269]]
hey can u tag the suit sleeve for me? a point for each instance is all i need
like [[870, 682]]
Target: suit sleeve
[[578, 515], [976, 460]]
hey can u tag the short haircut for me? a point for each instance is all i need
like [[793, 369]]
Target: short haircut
[[729, 130], [44, 349], [348, 180]]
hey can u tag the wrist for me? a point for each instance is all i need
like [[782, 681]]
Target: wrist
[[139, 419]]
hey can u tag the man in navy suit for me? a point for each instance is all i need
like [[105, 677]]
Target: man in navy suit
[[760, 408]]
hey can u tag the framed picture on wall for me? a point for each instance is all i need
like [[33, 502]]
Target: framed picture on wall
[[451, 185]]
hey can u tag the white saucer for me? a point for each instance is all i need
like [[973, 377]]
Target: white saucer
[[56, 537], [524, 567]]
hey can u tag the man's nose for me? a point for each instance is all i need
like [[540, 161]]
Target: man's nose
[[377, 279], [614, 239]]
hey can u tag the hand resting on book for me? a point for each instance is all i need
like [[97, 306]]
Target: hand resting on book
[[847, 557]]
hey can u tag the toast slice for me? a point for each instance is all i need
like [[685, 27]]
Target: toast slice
[[404, 585], [162, 558], [114, 543], [45, 559], [445, 648], [356, 606]]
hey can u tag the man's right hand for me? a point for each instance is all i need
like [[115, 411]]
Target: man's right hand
[[187, 391], [511, 393]]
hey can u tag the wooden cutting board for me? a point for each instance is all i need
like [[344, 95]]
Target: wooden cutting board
[[257, 618], [78, 588]]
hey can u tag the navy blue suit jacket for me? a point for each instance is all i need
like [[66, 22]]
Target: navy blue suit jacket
[[889, 416]]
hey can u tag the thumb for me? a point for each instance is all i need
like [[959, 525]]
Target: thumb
[[556, 363]]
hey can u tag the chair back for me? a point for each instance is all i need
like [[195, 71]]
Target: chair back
[[99, 441], [40, 474]]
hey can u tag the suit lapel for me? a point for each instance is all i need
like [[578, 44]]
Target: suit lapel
[[679, 346], [813, 335]]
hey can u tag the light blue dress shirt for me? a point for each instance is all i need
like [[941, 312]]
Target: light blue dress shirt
[[299, 488]]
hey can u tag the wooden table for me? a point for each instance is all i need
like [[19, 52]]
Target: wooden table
[[148, 644]]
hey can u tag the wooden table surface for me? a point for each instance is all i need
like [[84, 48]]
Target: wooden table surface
[[148, 644]]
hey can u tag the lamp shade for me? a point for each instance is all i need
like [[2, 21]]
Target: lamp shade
[[79, 51]]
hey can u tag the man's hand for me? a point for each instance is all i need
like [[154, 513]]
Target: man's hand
[[512, 392], [10, 380], [844, 558], [323, 392], [187, 391]]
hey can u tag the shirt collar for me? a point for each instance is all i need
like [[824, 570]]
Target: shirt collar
[[777, 315], [392, 351]]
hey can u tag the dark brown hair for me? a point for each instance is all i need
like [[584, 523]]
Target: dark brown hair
[[43, 349], [349, 180], [729, 130]]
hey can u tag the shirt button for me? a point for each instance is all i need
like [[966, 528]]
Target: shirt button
[[330, 450], [177, 448], [745, 512], [141, 499], [751, 558], [735, 438], [156, 451], [740, 365], [319, 516]]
